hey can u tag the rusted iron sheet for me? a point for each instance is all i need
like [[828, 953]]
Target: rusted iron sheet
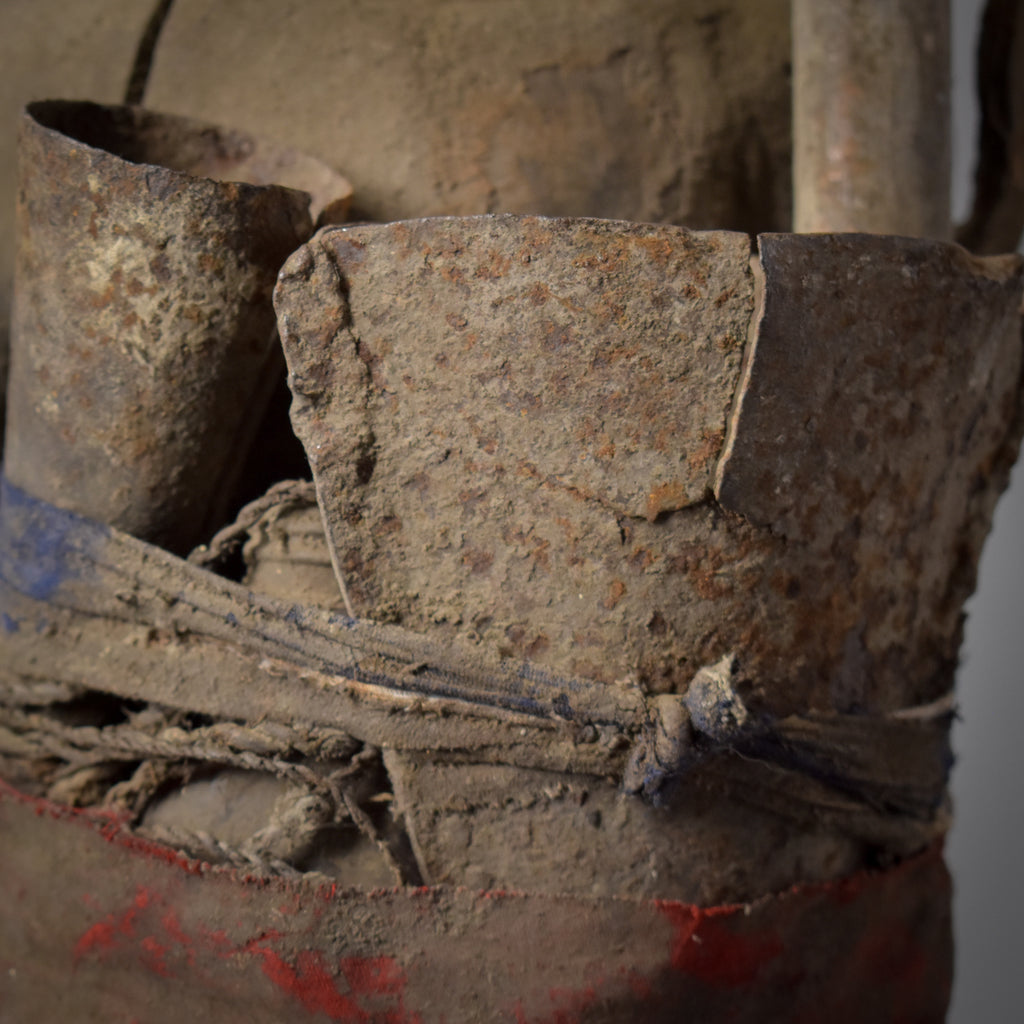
[[49, 49], [512, 450], [143, 335], [874, 435], [501, 411], [593, 356], [130, 929]]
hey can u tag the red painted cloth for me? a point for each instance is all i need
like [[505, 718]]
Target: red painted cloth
[[100, 925]]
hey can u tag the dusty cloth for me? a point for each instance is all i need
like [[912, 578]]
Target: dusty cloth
[[88, 609]]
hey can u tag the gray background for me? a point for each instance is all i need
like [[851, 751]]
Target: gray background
[[986, 847]]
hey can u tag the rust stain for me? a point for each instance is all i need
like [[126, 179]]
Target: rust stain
[[497, 266], [616, 591], [478, 561], [706, 452], [538, 294], [665, 498]]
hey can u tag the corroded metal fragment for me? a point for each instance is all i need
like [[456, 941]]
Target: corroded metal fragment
[[875, 433], [143, 335], [593, 357], [481, 478], [499, 410]]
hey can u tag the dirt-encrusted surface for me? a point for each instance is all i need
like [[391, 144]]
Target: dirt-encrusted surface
[[604, 448], [174, 940], [554, 438], [493, 826], [514, 425]]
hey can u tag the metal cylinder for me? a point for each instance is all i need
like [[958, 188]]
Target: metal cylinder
[[143, 333], [871, 134]]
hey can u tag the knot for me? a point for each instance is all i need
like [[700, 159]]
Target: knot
[[715, 707], [682, 729]]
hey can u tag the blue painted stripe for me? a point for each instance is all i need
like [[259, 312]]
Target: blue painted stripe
[[41, 546]]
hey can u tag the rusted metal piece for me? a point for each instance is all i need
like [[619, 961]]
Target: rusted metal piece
[[871, 136], [500, 411], [130, 927], [874, 433], [566, 517], [143, 341], [832, 562], [597, 356]]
